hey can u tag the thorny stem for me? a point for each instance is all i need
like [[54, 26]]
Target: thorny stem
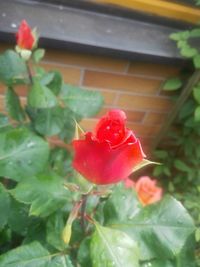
[[29, 73], [83, 207]]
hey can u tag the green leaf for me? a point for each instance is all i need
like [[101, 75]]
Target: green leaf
[[60, 161], [144, 163], [83, 102], [197, 234], [41, 97], [84, 258], [67, 134], [186, 258], [56, 83], [161, 230], [181, 35], [181, 166], [197, 114], [13, 69], [122, 205], [158, 263], [196, 61], [158, 170], [196, 93], [22, 153], [195, 33], [172, 84], [4, 123], [13, 105], [30, 255], [4, 206], [53, 80], [55, 226], [187, 109], [188, 51], [18, 219], [49, 121], [113, 248], [38, 55], [45, 192], [61, 261]]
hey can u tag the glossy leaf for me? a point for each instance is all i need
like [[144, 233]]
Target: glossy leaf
[[158, 263], [61, 261], [4, 206], [122, 205], [68, 131], [45, 192], [38, 55], [49, 121], [22, 153], [13, 105], [41, 96], [13, 69], [30, 255], [55, 226], [160, 229], [18, 219], [84, 258], [56, 83], [83, 102], [113, 248]]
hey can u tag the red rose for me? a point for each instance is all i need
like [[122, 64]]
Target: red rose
[[147, 190], [24, 36], [109, 154]]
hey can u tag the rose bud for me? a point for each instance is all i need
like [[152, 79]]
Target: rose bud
[[147, 190], [25, 37], [109, 154]]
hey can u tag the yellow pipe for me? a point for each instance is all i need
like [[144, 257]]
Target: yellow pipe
[[159, 7]]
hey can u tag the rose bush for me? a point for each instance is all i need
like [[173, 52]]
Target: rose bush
[[52, 216], [109, 154]]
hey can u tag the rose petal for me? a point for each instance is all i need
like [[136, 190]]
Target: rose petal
[[24, 36], [100, 164]]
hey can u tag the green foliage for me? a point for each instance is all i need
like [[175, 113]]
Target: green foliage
[[90, 101], [172, 84], [50, 216], [161, 230], [4, 206], [38, 55], [22, 153], [13, 69], [110, 247], [182, 155], [45, 193], [13, 105]]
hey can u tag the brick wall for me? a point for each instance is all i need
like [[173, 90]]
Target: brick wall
[[134, 87]]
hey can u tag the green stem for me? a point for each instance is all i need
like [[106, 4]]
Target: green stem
[[29, 73]]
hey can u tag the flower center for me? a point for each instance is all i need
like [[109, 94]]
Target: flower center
[[112, 131]]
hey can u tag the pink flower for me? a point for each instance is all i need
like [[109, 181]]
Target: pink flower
[[147, 190]]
